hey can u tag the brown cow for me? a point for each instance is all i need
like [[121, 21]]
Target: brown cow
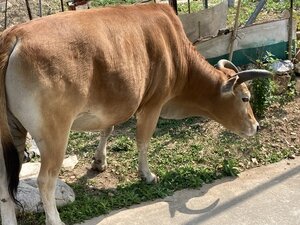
[[90, 70]]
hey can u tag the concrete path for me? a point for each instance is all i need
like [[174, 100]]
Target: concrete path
[[261, 196]]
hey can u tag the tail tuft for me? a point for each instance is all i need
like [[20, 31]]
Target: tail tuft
[[12, 165]]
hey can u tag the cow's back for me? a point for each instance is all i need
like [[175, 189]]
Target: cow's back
[[138, 41], [116, 59]]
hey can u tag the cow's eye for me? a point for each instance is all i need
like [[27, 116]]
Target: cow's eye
[[245, 99]]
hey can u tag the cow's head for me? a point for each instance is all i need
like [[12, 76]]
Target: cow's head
[[233, 106]]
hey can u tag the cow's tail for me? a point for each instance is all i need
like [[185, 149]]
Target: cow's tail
[[10, 153]]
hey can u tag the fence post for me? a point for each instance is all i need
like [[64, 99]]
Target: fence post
[[28, 9]]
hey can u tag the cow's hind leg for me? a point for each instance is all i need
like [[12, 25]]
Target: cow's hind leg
[[7, 205], [100, 163], [52, 147]]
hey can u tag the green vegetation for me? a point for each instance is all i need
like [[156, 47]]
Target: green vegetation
[[265, 91]]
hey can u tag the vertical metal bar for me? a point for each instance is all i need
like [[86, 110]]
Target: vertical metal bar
[[28, 9], [257, 10], [234, 32], [62, 5], [189, 6], [290, 47], [206, 4], [40, 8], [5, 15], [199, 29]]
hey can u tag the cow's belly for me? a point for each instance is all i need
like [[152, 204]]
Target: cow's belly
[[87, 122], [95, 121]]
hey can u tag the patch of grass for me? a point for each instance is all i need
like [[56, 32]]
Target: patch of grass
[[123, 143], [230, 167]]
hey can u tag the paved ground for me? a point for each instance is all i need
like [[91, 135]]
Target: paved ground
[[261, 196]]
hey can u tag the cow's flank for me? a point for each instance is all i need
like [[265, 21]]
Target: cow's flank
[[90, 70]]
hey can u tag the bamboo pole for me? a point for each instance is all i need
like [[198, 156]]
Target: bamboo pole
[[5, 15], [62, 5], [28, 9], [257, 10], [206, 4], [234, 32], [290, 47], [40, 8]]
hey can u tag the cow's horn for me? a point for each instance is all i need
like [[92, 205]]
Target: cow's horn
[[252, 74], [223, 63]]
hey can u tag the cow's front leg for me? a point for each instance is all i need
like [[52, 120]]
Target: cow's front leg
[[146, 122], [100, 163], [144, 170]]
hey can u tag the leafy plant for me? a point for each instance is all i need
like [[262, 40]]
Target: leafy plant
[[123, 143], [262, 96], [264, 90], [230, 167]]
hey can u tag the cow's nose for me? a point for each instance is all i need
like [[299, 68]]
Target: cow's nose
[[257, 128]]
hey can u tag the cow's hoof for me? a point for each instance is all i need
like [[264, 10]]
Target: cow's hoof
[[151, 179], [97, 165]]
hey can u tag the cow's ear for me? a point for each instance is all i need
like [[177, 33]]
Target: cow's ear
[[228, 86]]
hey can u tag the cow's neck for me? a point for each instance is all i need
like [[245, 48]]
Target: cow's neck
[[198, 96]]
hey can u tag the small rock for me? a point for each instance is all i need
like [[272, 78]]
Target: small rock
[[110, 194], [248, 165], [69, 163], [29, 197], [292, 156], [30, 170], [254, 161], [282, 67]]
